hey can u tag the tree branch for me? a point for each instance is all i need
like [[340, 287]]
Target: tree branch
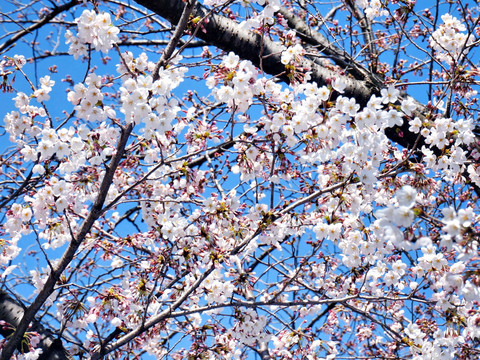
[[227, 35], [69, 254], [45, 20]]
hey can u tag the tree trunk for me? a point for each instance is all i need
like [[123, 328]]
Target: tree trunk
[[12, 312]]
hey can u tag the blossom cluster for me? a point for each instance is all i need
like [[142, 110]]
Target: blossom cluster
[[239, 82], [455, 223], [397, 215], [217, 290], [95, 29], [292, 53], [20, 125], [8, 67], [88, 100], [249, 329], [265, 17], [147, 101], [456, 135], [449, 40], [372, 8]]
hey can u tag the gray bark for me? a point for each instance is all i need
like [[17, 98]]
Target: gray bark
[[227, 35], [12, 312]]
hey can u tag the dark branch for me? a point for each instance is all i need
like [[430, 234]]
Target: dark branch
[[12, 312]]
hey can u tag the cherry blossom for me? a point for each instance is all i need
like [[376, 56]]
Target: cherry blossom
[[449, 40], [315, 200]]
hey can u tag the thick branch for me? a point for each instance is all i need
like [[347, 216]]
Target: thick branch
[[227, 35], [12, 312]]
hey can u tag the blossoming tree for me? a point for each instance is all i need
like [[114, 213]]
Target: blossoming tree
[[239, 180]]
